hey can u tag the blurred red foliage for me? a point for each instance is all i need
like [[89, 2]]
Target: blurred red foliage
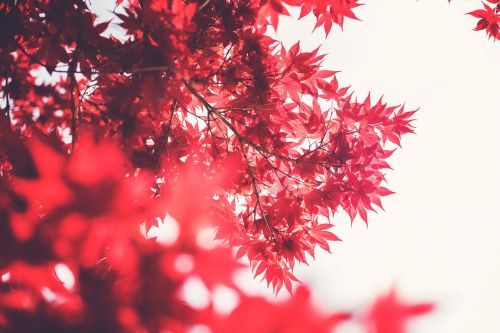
[[85, 266]]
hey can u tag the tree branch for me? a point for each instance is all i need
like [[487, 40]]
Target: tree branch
[[163, 141]]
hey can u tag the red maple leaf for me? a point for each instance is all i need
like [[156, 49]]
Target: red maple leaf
[[389, 314]]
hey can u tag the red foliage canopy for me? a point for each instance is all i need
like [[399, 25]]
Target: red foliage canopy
[[215, 123], [203, 82]]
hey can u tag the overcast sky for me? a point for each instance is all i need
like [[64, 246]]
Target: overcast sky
[[439, 238]]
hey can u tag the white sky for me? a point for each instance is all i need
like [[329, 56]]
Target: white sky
[[439, 238]]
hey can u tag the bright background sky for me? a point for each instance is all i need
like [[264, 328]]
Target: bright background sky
[[439, 238]]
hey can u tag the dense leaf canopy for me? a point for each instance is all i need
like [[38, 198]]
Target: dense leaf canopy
[[184, 108]]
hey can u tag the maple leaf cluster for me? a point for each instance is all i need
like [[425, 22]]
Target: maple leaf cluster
[[202, 81], [327, 12], [489, 18]]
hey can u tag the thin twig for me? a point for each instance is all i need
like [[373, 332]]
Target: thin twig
[[163, 141]]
